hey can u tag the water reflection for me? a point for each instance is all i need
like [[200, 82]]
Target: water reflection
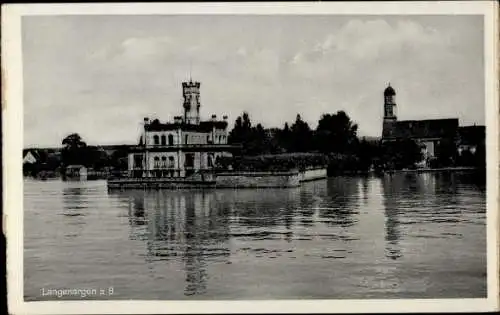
[[366, 189], [391, 187], [73, 198], [342, 204], [414, 236], [187, 226], [74, 211]]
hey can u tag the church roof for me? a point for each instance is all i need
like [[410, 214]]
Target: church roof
[[389, 91], [421, 129]]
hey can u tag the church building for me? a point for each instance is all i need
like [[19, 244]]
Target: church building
[[182, 147], [428, 133]]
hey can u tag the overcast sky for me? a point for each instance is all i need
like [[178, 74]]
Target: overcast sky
[[100, 75]]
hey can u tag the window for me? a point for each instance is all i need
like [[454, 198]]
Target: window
[[163, 140], [171, 163], [163, 161], [138, 161], [210, 161], [170, 140], [186, 139], [208, 138], [156, 140], [189, 160], [157, 162]]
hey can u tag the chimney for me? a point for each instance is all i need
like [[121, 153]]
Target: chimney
[[146, 120], [224, 117], [214, 117]]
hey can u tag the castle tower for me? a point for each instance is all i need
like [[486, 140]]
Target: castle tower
[[191, 94], [389, 104]]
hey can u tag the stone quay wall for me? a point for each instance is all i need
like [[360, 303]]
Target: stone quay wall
[[232, 179]]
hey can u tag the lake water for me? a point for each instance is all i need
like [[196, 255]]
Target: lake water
[[400, 236]]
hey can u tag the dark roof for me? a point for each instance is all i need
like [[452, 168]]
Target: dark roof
[[472, 135], [421, 129], [389, 91], [204, 126]]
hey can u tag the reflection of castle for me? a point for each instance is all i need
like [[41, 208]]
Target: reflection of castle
[[188, 225]]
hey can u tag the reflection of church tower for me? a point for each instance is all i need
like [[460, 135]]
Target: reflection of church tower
[[389, 109], [191, 94], [392, 228]]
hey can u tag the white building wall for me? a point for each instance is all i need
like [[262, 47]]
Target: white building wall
[[151, 134], [195, 137], [152, 155]]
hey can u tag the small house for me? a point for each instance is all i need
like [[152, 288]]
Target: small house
[[76, 172]]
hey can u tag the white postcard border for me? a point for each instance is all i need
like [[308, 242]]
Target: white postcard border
[[12, 147]]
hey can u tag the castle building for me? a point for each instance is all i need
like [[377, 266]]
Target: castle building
[[428, 133], [182, 147]]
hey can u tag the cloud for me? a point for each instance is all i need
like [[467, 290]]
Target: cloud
[[273, 68], [358, 43]]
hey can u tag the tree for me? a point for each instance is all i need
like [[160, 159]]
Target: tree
[[242, 129], [446, 153], [300, 136], [74, 149], [336, 133], [253, 139], [401, 154]]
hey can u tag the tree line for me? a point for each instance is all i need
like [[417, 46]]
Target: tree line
[[335, 142], [75, 151]]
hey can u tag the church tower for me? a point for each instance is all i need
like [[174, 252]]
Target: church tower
[[191, 94], [389, 103], [390, 118]]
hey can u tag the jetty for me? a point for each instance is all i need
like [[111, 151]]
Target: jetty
[[224, 179]]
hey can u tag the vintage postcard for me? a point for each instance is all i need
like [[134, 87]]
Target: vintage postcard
[[251, 158]]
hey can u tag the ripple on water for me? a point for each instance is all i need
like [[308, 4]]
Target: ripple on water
[[365, 237]]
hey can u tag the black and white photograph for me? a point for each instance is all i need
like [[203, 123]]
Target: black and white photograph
[[190, 154]]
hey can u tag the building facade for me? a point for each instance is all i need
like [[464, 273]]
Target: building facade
[[471, 137], [183, 147], [429, 133]]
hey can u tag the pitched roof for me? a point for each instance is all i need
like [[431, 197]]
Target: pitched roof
[[30, 157], [33, 152], [421, 129]]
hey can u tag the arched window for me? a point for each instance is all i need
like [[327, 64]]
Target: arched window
[[170, 140], [163, 140], [156, 140], [157, 162], [163, 161], [171, 163]]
